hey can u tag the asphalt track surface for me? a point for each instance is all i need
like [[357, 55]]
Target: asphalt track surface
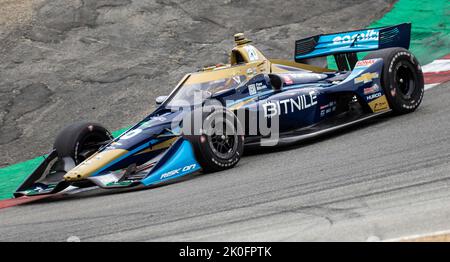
[[382, 180]]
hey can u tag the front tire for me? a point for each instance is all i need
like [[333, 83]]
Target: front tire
[[80, 140], [401, 79], [219, 145]]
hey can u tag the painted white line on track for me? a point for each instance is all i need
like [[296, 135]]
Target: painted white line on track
[[429, 86], [436, 72], [438, 65]]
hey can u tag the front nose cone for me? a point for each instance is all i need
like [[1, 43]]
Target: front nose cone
[[73, 176], [93, 164]]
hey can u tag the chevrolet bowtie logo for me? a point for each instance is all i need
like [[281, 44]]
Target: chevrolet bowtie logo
[[366, 78]]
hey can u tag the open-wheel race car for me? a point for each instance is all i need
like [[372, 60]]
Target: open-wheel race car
[[253, 101]]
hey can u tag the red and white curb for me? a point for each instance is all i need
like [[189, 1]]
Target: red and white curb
[[21, 200], [436, 72]]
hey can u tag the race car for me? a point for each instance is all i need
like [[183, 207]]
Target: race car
[[251, 102]]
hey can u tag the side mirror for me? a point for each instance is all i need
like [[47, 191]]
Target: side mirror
[[160, 99], [276, 82]]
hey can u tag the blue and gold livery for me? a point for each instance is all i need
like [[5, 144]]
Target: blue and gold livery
[[306, 100]]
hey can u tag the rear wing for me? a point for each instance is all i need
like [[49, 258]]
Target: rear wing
[[352, 42]]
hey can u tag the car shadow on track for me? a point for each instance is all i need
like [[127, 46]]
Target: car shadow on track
[[333, 134]]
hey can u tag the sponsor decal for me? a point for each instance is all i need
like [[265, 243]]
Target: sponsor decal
[[131, 133], [158, 118], [38, 189], [254, 88], [237, 79], [327, 109], [332, 103], [379, 104], [365, 63], [304, 75], [288, 80], [251, 89], [260, 86], [366, 78], [370, 90], [373, 96], [252, 71], [362, 36], [286, 106], [251, 52], [122, 183], [178, 171], [106, 179]]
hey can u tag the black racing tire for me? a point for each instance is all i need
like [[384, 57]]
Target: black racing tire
[[401, 79], [80, 137], [216, 151]]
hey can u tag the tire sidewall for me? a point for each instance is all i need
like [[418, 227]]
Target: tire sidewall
[[396, 100], [97, 130], [225, 162], [392, 57], [205, 155], [69, 141]]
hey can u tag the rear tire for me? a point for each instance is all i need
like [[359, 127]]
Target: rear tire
[[401, 79], [80, 140], [215, 150]]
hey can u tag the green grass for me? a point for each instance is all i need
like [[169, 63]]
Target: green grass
[[12, 176]]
